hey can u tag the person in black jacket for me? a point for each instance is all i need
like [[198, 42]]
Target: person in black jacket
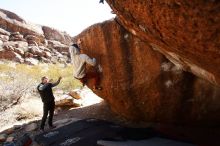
[[46, 93]]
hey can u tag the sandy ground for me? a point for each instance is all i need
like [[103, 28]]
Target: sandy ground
[[95, 107], [31, 110]]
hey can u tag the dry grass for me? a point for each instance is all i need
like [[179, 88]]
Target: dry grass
[[18, 95]]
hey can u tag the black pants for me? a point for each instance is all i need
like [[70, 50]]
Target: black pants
[[48, 108]]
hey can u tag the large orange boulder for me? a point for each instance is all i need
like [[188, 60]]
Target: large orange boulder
[[140, 83], [186, 32]]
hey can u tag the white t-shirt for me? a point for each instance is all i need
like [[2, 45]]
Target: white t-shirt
[[79, 62]]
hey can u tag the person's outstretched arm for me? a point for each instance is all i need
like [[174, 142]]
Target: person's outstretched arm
[[89, 60], [57, 82], [71, 54]]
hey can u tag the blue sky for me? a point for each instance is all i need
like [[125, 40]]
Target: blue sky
[[71, 16]]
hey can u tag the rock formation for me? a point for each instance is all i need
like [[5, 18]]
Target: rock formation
[[53, 34], [142, 84], [159, 58], [186, 32], [29, 43], [13, 23]]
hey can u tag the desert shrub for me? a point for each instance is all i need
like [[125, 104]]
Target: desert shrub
[[53, 72], [29, 108], [19, 80], [19, 99], [13, 87]]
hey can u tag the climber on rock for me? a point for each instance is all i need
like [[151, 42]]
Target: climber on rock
[[79, 61]]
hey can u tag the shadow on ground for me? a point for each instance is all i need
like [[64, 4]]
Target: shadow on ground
[[97, 125]]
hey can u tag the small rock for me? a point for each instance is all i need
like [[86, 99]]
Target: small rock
[[15, 33], [33, 40], [8, 48], [58, 46], [18, 58], [65, 53], [32, 37], [33, 49], [28, 55], [4, 38], [47, 54], [17, 44], [10, 131], [32, 43], [64, 103], [21, 44], [16, 38], [1, 42], [31, 61], [74, 95], [45, 60], [9, 55], [59, 55], [31, 127], [45, 49], [10, 139], [4, 32], [20, 51], [3, 137]]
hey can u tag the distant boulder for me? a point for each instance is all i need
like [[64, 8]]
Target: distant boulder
[[53, 34], [10, 55], [16, 44], [12, 23], [58, 46], [4, 32], [31, 61], [16, 36], [33, 43], [4, 38], [1, 43], [12, 16]]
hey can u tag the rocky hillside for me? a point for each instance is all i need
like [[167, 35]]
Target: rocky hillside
[[145, 85], [29, 43]]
